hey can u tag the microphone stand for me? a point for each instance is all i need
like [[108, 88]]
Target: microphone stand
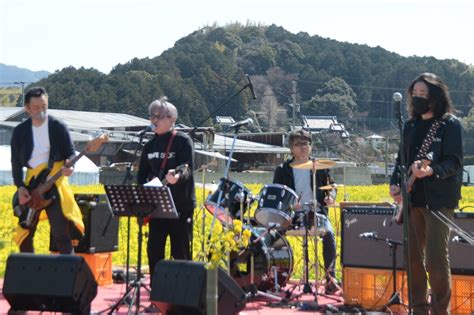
[[220, 106], [395, 298], [221, 194], [453, 227], [227, 168], [406, 200]]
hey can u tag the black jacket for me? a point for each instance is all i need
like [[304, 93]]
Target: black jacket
[[284, 176], [181, 152], [62, 147], [443, 189]]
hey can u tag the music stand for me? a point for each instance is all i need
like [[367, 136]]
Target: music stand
[[140, 202]]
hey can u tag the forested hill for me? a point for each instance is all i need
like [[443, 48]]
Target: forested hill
[[205, 68]]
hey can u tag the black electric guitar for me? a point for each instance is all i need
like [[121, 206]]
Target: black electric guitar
[[28, 213], [398, 217]]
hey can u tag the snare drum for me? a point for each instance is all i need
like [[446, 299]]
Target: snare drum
[[275, 206], [273, 258], [232, 193]]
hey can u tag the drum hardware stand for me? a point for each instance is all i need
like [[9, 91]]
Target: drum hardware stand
[[253, 291], [315, 207], [306, 285], [202, 255]]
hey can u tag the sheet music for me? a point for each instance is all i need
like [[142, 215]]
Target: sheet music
[[155, 182]]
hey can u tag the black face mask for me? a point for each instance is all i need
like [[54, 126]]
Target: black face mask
[[420, 105]]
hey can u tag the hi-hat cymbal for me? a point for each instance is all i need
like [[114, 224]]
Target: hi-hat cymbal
[[331, 186], [215, 154], [314, 165]]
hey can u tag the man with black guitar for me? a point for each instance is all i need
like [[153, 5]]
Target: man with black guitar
[[433, 146], [43, 145], [169, 157]]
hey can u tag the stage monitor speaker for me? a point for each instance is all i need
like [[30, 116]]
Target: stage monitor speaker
[[461, 255], [357, 251], [179, 287], [58, 283], [101, 226]]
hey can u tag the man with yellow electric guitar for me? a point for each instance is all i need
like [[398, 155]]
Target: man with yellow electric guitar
[[43, 145]]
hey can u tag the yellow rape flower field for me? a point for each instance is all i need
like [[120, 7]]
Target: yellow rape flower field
[[375, 193]]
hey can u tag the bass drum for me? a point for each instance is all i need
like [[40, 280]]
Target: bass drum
[[273, 257]]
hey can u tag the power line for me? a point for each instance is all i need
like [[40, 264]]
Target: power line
[[382, 87], [356, 99]]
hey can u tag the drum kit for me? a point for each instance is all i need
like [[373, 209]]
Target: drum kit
[[267, 263]]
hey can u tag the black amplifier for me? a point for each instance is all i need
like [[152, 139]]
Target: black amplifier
[[358, 249]]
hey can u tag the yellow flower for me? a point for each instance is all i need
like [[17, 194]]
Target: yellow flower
[[223, 242]]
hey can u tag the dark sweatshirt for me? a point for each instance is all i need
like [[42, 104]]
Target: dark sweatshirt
[[181, 152]]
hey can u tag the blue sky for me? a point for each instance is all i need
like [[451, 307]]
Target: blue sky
[[53, 34]]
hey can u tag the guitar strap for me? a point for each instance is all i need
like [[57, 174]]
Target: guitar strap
[[165, 160], [425, 146]]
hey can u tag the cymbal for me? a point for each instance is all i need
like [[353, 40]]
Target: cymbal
[[316, 164], [331, 186], [217, 155]]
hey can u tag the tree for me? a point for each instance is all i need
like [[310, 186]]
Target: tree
[[336, 98]]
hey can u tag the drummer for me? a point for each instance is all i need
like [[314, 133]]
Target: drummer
[[300, 180]]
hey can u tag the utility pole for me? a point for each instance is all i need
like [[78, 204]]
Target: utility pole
[[386, 157], [293, 95], [22, 91]]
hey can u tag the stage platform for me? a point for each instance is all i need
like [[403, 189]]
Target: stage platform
[[108, 295]]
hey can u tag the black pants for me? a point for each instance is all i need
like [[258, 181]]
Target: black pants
[[59, 225], [180, 232]]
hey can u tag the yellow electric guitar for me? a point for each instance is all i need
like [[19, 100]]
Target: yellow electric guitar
[[28, 213]]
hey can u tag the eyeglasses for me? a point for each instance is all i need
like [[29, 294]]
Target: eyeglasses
[[158, 117], [302, 144]]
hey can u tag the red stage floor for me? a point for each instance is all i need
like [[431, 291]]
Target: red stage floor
[[108, 295]]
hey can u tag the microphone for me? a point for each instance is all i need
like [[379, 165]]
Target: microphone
[[250, 85], [459, 239], [147, 129], [397, 98], [245, 122], [368, 235]]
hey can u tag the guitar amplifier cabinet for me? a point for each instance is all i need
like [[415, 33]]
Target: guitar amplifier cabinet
[[357, 251], [461, 255], [101, 226], [363, 252]]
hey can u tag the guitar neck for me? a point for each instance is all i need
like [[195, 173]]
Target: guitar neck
[[50, 182], [411, 181]]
